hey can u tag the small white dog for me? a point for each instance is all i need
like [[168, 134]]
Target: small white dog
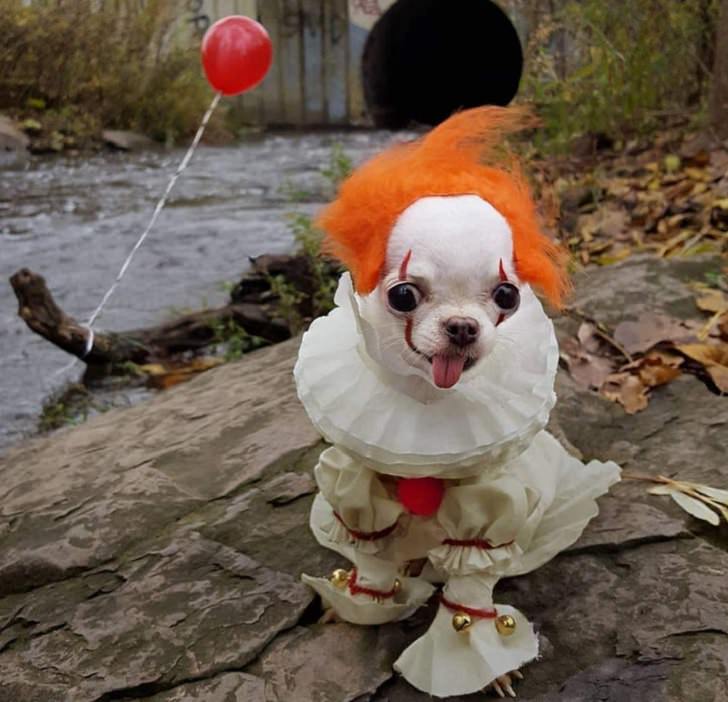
[[433, 379]]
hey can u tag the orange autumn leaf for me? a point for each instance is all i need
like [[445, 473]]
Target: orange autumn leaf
[[658, 368], [162, 378], [713, 357], [626, 389]]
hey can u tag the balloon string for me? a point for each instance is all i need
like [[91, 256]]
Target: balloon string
[[157, 210]]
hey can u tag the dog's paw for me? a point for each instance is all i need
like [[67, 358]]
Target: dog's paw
[[503, 684], [329, 617]]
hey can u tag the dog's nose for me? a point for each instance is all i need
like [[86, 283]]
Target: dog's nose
[[462, 330]]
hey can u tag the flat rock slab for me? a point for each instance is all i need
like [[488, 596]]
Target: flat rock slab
[[154, 553], [127, 141]]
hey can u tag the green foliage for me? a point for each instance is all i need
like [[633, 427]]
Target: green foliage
[[339, 167], [235, 339], [293, 193], [715, 279], [69, 406], [308, 240], [619, 66], [94, 64], [129, 369], [288, 300]]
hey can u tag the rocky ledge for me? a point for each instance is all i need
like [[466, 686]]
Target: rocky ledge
[[154, 553]]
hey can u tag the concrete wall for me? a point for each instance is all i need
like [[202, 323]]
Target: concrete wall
[[315, 78]]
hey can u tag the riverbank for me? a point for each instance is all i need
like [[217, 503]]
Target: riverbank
[[74, 219]]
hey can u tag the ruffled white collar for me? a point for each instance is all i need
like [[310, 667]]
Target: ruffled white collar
[[402, 425]]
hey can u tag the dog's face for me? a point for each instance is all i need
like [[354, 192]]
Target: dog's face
[[448, 283]]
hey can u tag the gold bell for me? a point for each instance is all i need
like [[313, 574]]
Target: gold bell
[[505, 625], [339, 578], [397, 585], [461, 622]]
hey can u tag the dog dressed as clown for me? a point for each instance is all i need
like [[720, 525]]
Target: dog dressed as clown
[[433, 380]]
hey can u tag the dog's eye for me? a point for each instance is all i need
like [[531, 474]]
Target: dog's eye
[[404, 297], [507, 297]]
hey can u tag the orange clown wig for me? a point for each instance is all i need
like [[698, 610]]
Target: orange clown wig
[[465, 155]]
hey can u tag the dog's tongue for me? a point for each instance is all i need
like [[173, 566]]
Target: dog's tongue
[[446, 370]]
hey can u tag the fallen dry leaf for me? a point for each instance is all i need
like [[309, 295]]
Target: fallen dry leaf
[[164, 377], [701, 501], [723, 327], [658, 368], [719, 215], [692, 505], [713, 357], [588, 337], [588, 369], [712, 300], [626, 389], [153, 369], [648, 331]]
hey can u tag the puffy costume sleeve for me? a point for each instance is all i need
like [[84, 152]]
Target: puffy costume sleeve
[[364, 514], [355, 515], [482, 518]]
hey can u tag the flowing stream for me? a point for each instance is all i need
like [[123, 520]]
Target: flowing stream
[[74, 220]]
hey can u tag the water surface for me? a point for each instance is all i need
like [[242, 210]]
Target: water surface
[[74, 220]]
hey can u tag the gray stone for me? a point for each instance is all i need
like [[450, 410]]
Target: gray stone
[[625, 521], [227, 687], [155, 552], [13, 143], [641, 285], [329, 662], [126, 141], [78, 499], [288, 487], [11, 137]]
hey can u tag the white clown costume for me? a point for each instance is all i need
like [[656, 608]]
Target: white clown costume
[[513, 497]]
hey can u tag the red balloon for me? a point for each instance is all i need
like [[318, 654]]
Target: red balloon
[[421, 496], [236, 54]]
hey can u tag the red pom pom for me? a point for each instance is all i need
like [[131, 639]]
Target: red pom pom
[[236, 54], [421, 496]]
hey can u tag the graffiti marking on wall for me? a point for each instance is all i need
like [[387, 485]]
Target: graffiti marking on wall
[[295, 21], [368, 7], [199, 20], [365, 13]]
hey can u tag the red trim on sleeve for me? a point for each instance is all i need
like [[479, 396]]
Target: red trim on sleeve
[[486, 613], [367, 535], [356, 589]]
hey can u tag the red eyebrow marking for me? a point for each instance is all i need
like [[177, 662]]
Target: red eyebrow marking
[[501, 271], [503, 278], [404, 264], [408, 333]]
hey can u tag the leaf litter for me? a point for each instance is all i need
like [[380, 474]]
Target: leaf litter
[[668, 198]]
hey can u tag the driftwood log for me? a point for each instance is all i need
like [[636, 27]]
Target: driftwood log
[[191, 332]]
